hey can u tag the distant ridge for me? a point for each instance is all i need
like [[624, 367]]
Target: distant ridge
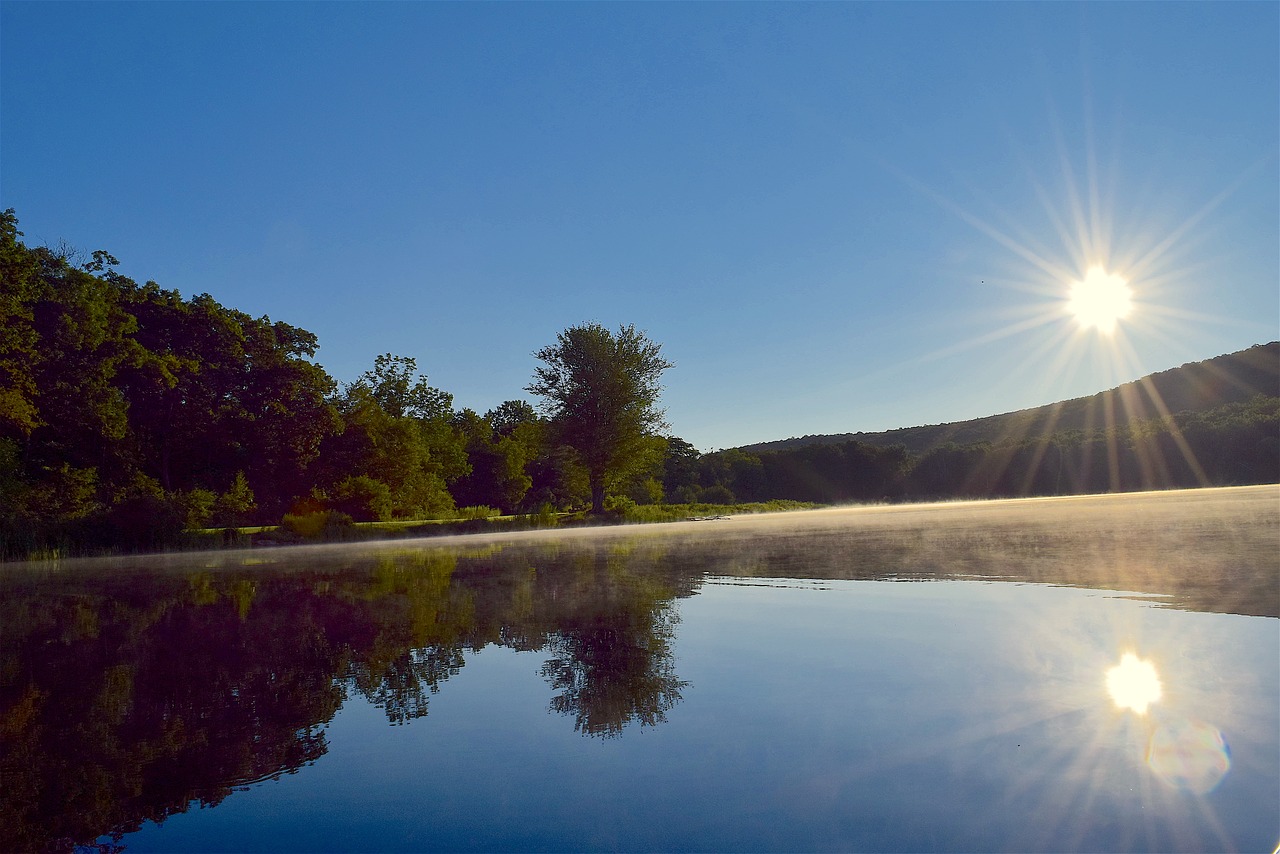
[[1195, 386]]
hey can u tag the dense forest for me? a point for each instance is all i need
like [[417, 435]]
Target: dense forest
[[130, 414]]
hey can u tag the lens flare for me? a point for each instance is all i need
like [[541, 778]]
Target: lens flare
[[1133, 683], [1189, 755]]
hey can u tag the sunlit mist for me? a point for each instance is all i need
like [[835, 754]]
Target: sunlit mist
[[1133, 683], [1100, 301]]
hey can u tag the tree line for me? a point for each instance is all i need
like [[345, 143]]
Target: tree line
[[130, 414]]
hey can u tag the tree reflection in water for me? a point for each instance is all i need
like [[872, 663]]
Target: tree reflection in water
[[130, 695], [130, 690], [609, 675], [611, 660]]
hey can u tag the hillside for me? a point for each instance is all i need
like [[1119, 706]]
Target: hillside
[[1195, 386]]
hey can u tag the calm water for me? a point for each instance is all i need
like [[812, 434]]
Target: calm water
[[896, 679]]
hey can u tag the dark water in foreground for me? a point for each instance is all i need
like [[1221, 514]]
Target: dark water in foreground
[[905, 679]]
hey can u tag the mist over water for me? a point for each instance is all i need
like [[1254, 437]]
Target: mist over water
[[976, 676]]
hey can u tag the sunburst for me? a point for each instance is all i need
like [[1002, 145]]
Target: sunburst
[[1100, 300]]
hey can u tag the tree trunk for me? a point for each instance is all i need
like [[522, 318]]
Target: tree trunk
[[597, 493]]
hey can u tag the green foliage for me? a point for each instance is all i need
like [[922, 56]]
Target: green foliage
[[679, 466], [478, 512], [326, 525], [558, 479], [363, 499], [717, 493], [397, 431], [497, 473], [197, 507], [601, 392], [829, 474], [63, 493], [708, 510], [104, 381], [646, 491], [510, 415], [234, 506], [126, 407], [740, 472], [542, 516], [12, 486], [690, 494], [619, 505], [145, 517], [19, 340], [397, 388]]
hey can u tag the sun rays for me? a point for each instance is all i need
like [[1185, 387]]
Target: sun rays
[[1090, 288]]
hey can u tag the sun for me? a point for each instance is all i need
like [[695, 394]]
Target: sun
[[1100, 301]]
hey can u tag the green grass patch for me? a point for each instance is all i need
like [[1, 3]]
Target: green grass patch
[[645, 513]]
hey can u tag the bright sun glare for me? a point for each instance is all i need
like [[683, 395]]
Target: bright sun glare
[[1100, 301], [1133, 683]]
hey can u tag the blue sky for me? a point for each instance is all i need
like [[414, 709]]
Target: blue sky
[[835, 217]]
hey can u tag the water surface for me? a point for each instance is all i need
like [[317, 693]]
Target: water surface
[[909, 678]]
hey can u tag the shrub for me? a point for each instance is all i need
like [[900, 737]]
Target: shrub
[[619, 504], [688, 494], [647, 491], [197, 508], [234, 506], [321, 524], [542, 516], [363, 498], [717, 494], [142, 517]]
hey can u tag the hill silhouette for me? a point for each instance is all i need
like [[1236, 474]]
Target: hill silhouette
[[1193, 387]]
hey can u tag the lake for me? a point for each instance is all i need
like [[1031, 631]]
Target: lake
[[1096, 674]]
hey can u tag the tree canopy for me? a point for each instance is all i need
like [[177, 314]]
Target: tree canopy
[[601, 392], [131, 416]]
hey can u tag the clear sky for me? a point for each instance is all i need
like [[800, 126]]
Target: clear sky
[[835, 218]]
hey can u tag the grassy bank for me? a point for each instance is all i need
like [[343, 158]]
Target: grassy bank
[[328, 527], [332, 527]]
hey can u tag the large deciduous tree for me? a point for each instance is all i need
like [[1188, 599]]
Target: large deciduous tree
[[601, 391]]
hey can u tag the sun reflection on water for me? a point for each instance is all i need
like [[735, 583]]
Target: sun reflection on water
[[1133, 683], [1183, 753]]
